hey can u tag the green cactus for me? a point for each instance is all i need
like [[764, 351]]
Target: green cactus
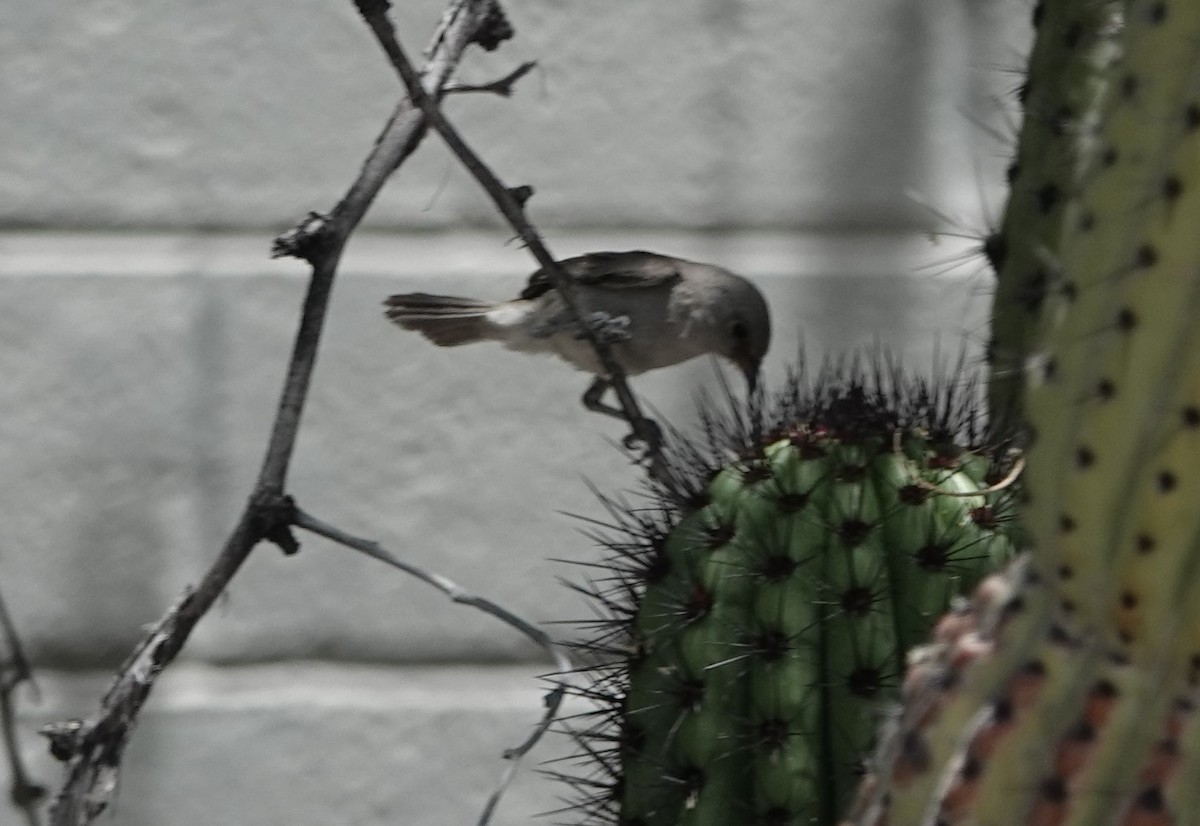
[[764, 616], [1065, 693]]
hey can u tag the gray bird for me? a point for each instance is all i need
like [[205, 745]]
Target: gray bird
[[653, 310]]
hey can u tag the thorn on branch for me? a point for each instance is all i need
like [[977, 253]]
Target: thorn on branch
[[494, 29], [521, 194], [501, 86], [303, 241], [273, 520], [66, 738], [372, 8]]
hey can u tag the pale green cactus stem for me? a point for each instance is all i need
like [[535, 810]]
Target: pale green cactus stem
[[1067, 75], [1114, 399], [946, 704], [1012, 775], [1119, 766], [1016, 723], [1183, 797]]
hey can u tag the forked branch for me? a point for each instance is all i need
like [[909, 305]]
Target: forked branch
[[93, 749]]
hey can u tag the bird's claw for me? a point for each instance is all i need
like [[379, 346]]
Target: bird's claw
[[648, 428], [609, 329]]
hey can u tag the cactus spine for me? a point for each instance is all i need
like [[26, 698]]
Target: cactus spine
[[763, 626]]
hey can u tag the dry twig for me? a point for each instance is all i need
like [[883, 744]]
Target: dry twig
[[501, 86], [14, 670], [93, 749], [462, 596]]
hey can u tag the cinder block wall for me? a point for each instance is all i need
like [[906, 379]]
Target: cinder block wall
[[151, 151]]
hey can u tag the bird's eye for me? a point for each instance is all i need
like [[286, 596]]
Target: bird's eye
[[739, 330]]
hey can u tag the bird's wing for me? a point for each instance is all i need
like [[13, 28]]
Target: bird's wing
[[631, 270]]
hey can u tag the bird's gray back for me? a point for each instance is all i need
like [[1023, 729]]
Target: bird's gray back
[[634, 269]]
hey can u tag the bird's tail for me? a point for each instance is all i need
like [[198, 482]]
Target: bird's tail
[[445, 320]]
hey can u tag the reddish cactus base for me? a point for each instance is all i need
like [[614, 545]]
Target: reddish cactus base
[[1008, 720]]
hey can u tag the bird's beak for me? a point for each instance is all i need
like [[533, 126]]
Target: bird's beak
[[751, 372]]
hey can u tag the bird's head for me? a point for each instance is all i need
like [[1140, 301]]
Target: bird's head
[[745, 332]]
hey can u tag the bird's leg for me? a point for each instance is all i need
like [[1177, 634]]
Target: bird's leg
[[593, 400]]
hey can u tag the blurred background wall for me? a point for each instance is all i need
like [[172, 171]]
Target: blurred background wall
[[847, 156]]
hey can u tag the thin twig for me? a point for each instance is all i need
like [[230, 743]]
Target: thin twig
[[462, 596], [93, 750], [15, 665], [14, 670], [501, 86], [447, 586], [1008, 481], [512, 208], [24, 794]]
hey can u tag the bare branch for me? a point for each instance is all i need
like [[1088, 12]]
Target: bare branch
[[93, 750], [501, 86], [461, 596], [511, 208], [319, 239], [14, 670], [14, 665]]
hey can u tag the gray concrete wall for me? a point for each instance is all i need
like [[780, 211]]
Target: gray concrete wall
[[150, 151], [745, 113]]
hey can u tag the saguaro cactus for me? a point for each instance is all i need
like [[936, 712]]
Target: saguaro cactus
[[1067, 74], [1077, 707], [1009, 719], [1114, 401], [760, 627]]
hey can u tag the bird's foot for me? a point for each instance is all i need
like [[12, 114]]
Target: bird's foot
[[609, 329], [648, 433]]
